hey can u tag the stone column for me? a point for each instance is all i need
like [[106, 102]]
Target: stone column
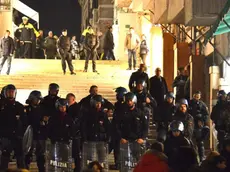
[[214, 87], [6, 18]]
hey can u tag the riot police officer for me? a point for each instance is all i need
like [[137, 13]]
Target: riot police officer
[[49, 101], [174, 141], [96, 132], [12, 127], [164, 116], [133, 127], [199, 112], [120, 93], [145, 101], [183, 116], [36, 118], [217, 117], [61, 125], [73, 110]]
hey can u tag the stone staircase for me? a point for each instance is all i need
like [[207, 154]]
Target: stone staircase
[[28, 75]]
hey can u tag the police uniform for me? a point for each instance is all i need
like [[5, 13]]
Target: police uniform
[[12, 127], [27, 38]]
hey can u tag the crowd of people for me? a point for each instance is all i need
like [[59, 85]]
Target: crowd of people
[[94, 127]]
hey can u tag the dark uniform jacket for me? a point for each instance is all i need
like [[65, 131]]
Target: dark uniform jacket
[[133, 125], [218, 114], [158, 88], [6, 46], [48, 104], [95, 126], [50, 43], [135, 77], [91, 42], [166, 113], [188, 122], [28, 32], [35, 117], [179, 83], [108, 40], [12, 119], [74, 113], [61, 127], [64, 44]]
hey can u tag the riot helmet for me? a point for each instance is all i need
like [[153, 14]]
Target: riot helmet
[[35, 97], [221, 95], [61, 104], [10, 91], [140, 85], [96, 101], [53, 89], [121, 91], [169, 97], [130, 99], [197, 95], [183, 105], [176, 126]]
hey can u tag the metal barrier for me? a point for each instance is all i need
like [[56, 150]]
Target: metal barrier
[[59, 157], [95, 151], [130, 153]]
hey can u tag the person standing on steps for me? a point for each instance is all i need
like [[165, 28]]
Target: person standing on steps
[[90, 45], [131, 44], [64, 49], [6, 51]]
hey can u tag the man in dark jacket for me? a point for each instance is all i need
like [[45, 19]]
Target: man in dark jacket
[[49, 101], [133, 129], [158, 87], [6, 51], [183, 116], [90, 45], [36, 118], [109, 45], [139, 75], [50, 46], [179, 83], [12, 127], [73, 110], [64, 48]]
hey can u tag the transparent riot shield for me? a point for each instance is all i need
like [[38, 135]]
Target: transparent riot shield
[[95, 151], [59, 157], [130, 153]]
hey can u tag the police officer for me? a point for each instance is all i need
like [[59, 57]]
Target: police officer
[[61, 125], [165, 116], [85, 102], [217, 117], [90, 45], [120, 93], [174, 141], [49, 101], [199, 112], [27, 37], [145, 101], [36, 118], [12, 127], [64, 49], [183, 115], [73, 111], [96, 129], [140, 74], [133, 127]]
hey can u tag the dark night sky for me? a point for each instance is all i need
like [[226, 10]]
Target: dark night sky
[[56, 15]]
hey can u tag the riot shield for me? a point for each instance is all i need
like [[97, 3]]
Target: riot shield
[[95, 151], [130, 153], [27, 140], [59, 157]]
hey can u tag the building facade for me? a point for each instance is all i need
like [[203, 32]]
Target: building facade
[[97, 13]]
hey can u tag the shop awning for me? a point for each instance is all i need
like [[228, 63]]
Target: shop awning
[[222, 25]]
